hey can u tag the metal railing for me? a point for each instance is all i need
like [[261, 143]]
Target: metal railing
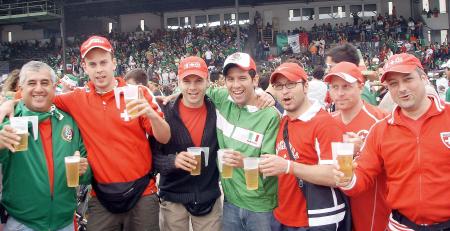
[[29, 7]]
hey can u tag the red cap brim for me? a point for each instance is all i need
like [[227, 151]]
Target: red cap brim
[[90, 48], [202, 74], [404, 69]]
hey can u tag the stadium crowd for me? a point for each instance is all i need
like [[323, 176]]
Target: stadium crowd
[[331, 138]]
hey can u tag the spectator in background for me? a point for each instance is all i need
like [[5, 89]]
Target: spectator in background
[[317, 88], [11, 86], [447, 72], [137, 77]]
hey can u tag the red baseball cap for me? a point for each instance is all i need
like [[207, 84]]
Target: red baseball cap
[[401, 63], [291, 71], [192, 65], [347, 71], [242, 60], [95, 42]]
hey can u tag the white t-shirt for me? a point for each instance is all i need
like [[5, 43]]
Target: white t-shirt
[[208, 54], [317, 91]]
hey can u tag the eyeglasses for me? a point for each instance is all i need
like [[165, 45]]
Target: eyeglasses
[[288, 85]]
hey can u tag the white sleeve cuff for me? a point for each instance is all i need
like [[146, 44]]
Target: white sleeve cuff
[[351, 185]]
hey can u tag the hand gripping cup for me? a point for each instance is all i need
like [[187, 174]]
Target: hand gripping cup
[[21, 126], [226, 170], [130, 92], [251, 170], [197, 152], [72, 170], [343, 154]]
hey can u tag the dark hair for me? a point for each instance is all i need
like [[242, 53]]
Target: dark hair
[[344, 53], [318, 73], [264, 81], [214, 76], [138, 75]]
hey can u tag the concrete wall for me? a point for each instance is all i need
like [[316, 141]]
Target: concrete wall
[[18, 33], [86, 25], [280, 12], [129, 22]]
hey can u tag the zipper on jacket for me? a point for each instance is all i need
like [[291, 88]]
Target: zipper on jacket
[[420, 170]]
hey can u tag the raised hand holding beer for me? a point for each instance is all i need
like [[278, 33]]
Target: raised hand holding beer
[[140, 106], [234, 159], [185, 161], [75, 167], [83, 163], [273, 165], [8, 138]]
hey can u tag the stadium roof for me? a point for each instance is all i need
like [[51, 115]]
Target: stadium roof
[[117, 7]]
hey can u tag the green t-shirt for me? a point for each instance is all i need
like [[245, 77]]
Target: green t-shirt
[[369, 97], [252, 132]]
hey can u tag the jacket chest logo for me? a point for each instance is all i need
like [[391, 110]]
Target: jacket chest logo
[[67, 133], [445, 137]]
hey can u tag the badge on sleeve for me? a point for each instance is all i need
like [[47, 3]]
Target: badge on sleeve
[[445, 137], [67, 133]]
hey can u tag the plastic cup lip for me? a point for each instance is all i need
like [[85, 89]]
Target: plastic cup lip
[[72, 159], [130, 92], [342, 149], [195, 150], [251, 162]]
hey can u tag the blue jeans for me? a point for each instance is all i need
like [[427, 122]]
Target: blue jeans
[[239, 219], [13, 225], [277, 226]]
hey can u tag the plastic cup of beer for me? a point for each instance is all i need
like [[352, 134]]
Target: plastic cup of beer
[[251, 170], [131, 92], [343, 154], [72, 170], [197, 152], [225, 170], [21, 126]]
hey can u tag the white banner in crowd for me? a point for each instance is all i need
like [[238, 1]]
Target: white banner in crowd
[[294, 42]]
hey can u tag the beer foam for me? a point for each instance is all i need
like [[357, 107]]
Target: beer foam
[[72, 159], [21, 132]]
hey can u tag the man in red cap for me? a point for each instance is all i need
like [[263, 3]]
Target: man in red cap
[[411, 146], [124, 196], [369, 209], [186, 199], [303, 148]]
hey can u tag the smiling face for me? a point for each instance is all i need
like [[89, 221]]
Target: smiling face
[[407, 90], [38, 90], [193, 89], [241, 86], [100, 66]]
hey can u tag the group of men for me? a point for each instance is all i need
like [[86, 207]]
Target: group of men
[[402, 160]]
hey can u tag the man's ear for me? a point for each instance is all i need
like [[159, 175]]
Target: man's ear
[[256, 80]]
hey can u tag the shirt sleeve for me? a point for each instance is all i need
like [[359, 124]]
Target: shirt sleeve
[[4, 155], [270, 135], [217, 95], [162, 163], [87, 176], [370, 164], [327, 131], [144, 121], [63, 101]]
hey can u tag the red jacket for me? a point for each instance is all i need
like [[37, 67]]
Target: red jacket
[[417, 167], [118, 150]]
